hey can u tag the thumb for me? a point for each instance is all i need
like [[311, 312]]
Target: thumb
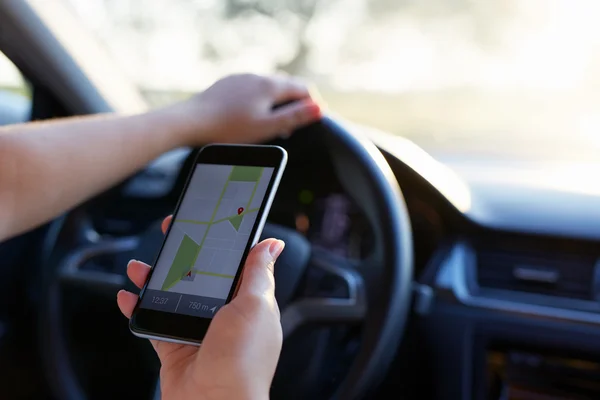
[[257, 278], [294, 115]]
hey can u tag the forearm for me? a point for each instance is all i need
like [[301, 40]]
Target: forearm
[[49, 167]]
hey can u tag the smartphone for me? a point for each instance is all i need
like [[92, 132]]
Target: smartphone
[[219, 217]]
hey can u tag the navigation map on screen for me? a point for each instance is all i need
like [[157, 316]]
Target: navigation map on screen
[[203, 251]]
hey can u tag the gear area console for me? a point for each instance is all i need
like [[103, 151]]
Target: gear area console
[[528, 374]]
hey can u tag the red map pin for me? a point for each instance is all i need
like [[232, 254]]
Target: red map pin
[[240, 210]]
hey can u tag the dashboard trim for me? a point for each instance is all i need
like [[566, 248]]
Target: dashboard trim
[[548, 198]]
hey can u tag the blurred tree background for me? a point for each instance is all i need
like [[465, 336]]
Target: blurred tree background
[[309, 38], [464, 73]]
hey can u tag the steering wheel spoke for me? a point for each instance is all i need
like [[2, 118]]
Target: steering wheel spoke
[[343, 300], [75, 271]]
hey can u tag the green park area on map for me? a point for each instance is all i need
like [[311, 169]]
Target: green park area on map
[[189, 249]]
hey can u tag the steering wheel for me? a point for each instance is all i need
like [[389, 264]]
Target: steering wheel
[[377, 291]]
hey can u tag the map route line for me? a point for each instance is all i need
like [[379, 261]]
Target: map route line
[[254, 189], [189, 246], [246, 211], [167, 286], [191, 221], [195, 271], [236, 220], [235, 216]]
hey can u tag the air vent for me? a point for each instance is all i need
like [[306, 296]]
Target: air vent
[[551, 274]]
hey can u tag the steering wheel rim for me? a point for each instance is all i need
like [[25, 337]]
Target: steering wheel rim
[[380, 198], [383, 281]]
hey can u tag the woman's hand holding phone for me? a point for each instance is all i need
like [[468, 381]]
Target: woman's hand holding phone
[[239, 353]]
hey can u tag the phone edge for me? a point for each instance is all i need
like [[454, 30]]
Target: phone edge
[[165, 339], [254, 241]]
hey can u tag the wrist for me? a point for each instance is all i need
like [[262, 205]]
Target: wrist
[[184, 123]]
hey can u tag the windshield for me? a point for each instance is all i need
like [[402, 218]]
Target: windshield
[[465, 74]]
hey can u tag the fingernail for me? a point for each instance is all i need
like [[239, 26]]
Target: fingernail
[[130, 261], [313, 110], [276, 248]]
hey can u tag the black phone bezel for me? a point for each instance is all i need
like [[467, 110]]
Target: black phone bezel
[[187, 328]]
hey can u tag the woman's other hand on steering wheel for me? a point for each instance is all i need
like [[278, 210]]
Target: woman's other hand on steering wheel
[[239, 109], [239, 354]]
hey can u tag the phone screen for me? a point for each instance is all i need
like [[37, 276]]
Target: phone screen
[[201, 256]]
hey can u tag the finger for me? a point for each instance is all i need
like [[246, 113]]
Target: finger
[[165, 224], [258, 276], [126, 302], [295, 115], [137, 272], [288, 89]]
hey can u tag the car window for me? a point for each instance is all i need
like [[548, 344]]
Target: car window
[[15, 94], [515, 74]]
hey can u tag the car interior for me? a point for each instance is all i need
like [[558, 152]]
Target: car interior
[[405, 275]]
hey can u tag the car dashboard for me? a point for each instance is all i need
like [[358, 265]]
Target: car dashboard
[[507, 302], [507, 280]]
